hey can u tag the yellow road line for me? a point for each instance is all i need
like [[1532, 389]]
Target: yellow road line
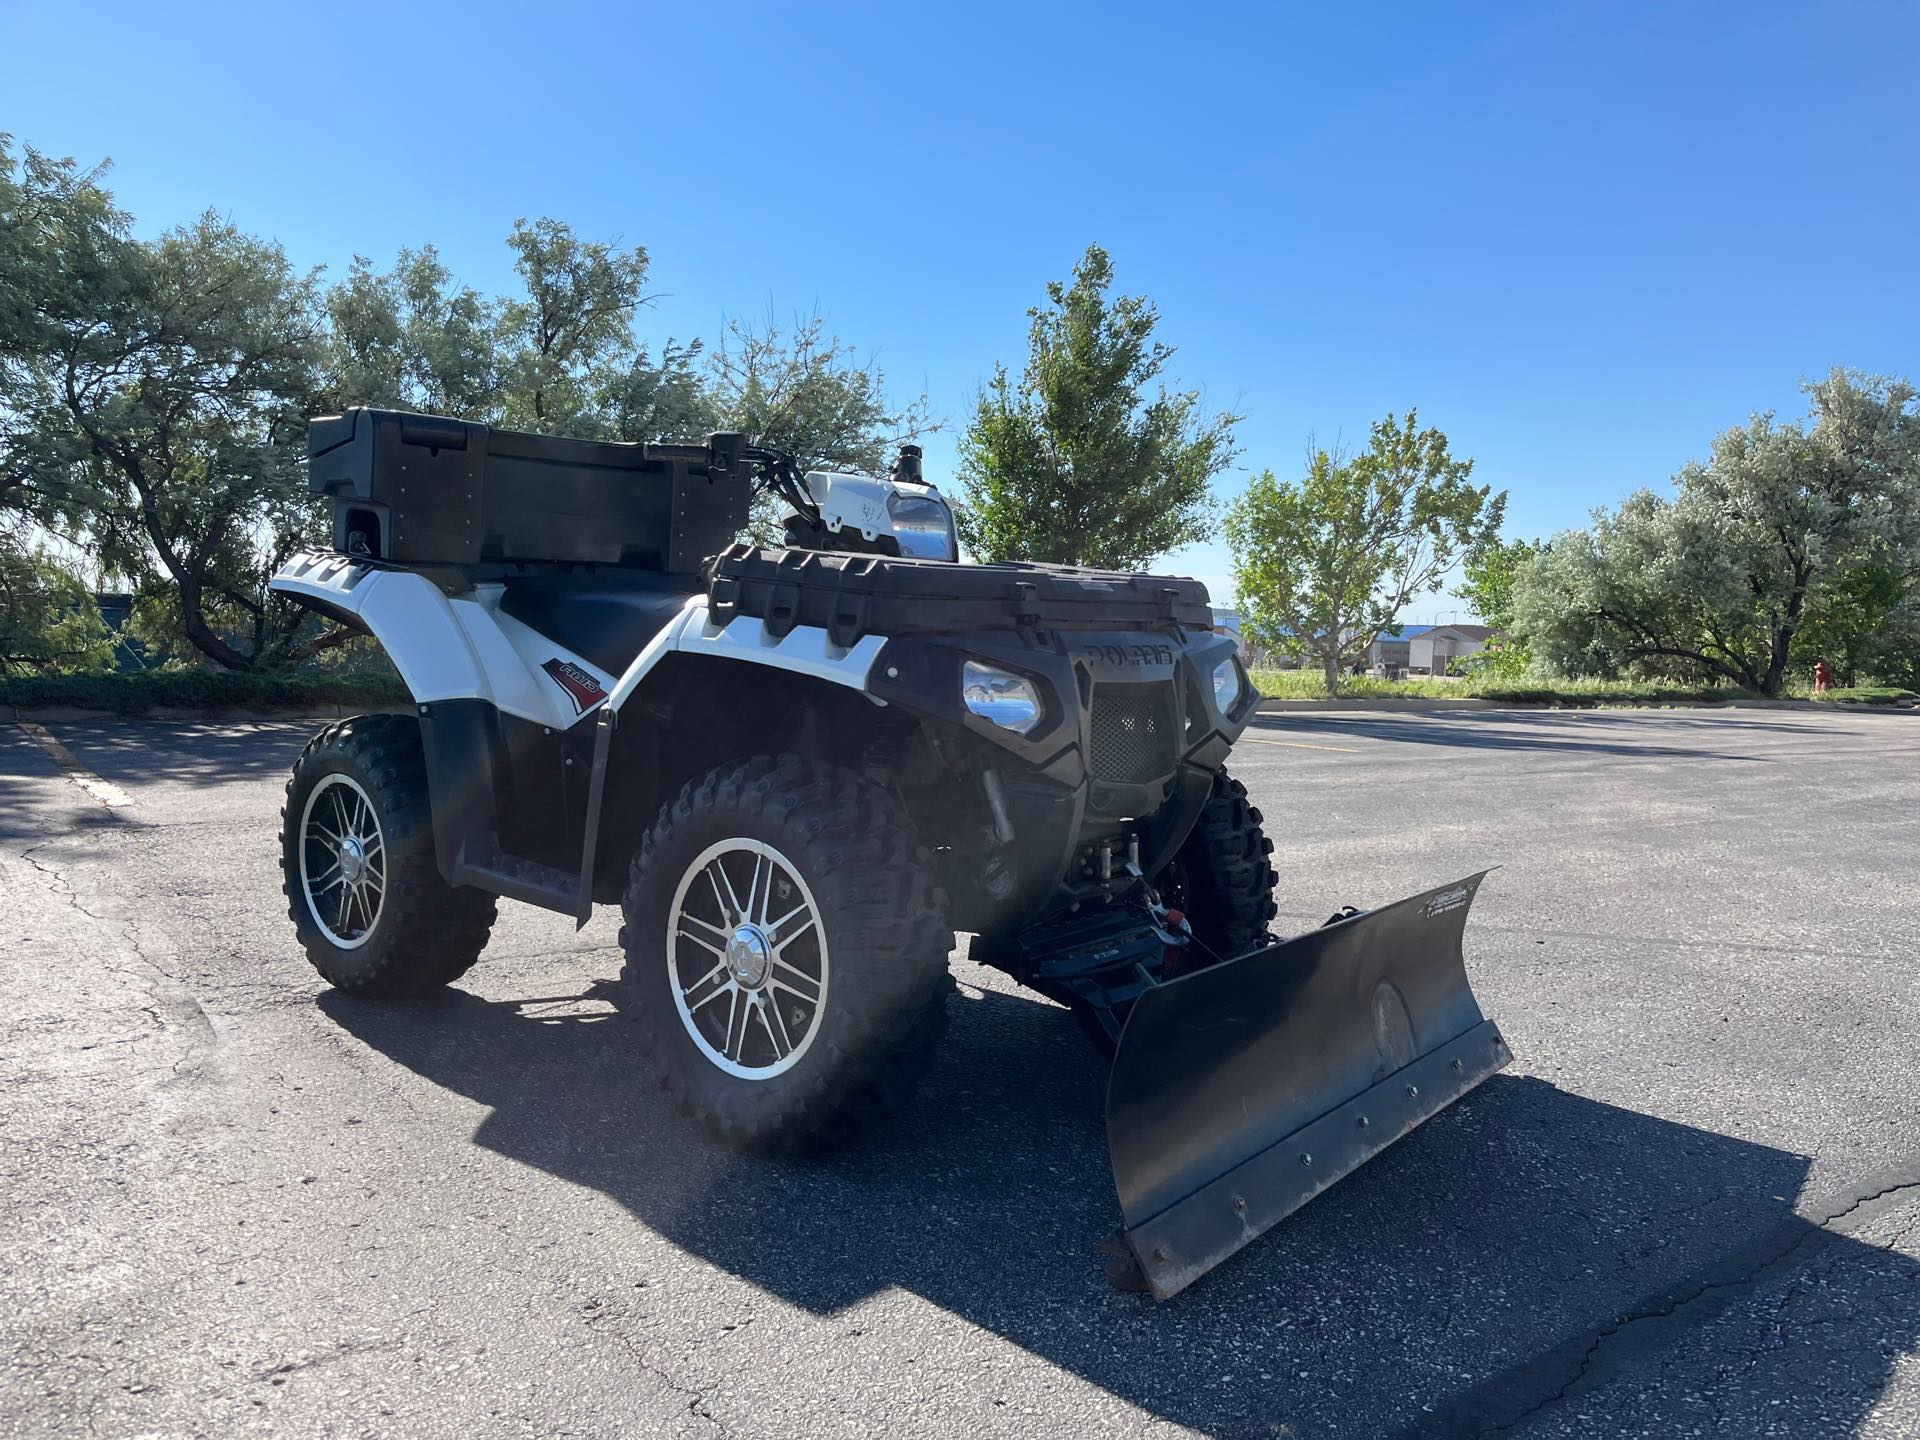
[[1296, 744], [105, 791]]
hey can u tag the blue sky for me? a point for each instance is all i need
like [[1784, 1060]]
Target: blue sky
[[1580, 238]]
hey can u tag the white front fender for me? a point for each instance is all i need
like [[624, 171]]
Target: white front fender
[[800, 650]]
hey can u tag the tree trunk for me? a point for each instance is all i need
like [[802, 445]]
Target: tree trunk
[[1783, 634], [189, 573], [1776, 671], [1331, 662], [200, 633]]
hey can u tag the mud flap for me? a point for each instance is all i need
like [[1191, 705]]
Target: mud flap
[[1242, 1091]]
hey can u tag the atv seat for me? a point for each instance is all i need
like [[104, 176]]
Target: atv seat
[[606, 618]]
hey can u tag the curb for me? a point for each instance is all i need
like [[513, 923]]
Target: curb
[[1364, 702], [1438, 705]]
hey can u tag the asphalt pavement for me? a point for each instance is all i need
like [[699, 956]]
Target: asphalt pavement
[[234, 1203]]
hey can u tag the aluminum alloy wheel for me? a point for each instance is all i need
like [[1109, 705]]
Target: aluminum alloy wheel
[[747, 958], [343, 860]]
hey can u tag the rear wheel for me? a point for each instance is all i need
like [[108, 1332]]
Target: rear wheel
[[356, 849], [786, 947]]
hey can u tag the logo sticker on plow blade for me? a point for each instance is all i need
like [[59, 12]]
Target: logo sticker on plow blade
[[1241, 1091]]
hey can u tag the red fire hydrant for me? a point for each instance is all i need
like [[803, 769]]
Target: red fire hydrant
[[1822, 677]]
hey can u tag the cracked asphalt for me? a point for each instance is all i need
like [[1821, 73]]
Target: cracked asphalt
[[233, 1203]]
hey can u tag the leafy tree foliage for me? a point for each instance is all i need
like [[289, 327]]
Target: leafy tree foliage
[[1325, 563], [155, 395], [802, 390], [1849, 622], [411, 339], [565, 340], [1784, 526], [1487, 576], [666, 399], [1486, 584], [48, 618], [562, 357], [1893, 654], [1075, 462]]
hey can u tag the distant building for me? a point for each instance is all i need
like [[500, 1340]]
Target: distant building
[[1227, 622], [1412, 650], [1430, 652], [1391, 654]]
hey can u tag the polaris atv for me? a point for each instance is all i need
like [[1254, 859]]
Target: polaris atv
[[799, 771]]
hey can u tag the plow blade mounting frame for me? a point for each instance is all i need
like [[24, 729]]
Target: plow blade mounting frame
[[1242, 1091]]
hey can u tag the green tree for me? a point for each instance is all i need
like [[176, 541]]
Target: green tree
[[666, 399], [561, 357], [1075, 462], [570, 361], [1487, 574], [1486, 584], [155, 395], [62, 260], [49, 620], [565, 342], [1893, 655], [804, 391], [1770, 532], [1325, 564], [410, 339], [1849, 619]]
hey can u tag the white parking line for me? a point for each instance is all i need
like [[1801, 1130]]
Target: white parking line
[[105, 791]]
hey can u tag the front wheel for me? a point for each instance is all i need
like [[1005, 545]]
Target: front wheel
[[786, 952], [1223, 877]]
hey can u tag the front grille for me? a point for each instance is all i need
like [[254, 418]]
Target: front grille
[[1135, 733]]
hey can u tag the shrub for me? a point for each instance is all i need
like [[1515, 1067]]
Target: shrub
[[133, 694], [1307, 685]]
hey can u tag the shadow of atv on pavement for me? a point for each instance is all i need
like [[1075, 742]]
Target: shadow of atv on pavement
[[1520, 1249]]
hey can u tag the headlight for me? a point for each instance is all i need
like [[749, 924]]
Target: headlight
[[1007, 700], [923, 525], [1227, 684]]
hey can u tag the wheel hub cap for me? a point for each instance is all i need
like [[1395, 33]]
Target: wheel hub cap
[[749, 956], [343, 860]]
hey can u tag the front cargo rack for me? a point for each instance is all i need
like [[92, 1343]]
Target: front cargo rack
[[851, 596]]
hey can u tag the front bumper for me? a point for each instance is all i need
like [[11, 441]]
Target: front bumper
[[1124, 711], [1129, 745]]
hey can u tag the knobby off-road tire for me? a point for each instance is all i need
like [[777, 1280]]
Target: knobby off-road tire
[[1225, 878], [408, 932], [785, 833]]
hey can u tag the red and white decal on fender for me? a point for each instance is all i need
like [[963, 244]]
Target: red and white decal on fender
[[581, 687]]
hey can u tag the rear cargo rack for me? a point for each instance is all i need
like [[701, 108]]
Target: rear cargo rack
[[428, 490]]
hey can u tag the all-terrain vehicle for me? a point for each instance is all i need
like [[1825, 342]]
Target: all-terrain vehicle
[[800, 770]]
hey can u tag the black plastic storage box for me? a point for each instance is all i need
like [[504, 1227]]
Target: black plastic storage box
[[427, 490], [855, 595]]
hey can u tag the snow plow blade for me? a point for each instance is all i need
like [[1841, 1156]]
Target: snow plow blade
[[1241, 1091]]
